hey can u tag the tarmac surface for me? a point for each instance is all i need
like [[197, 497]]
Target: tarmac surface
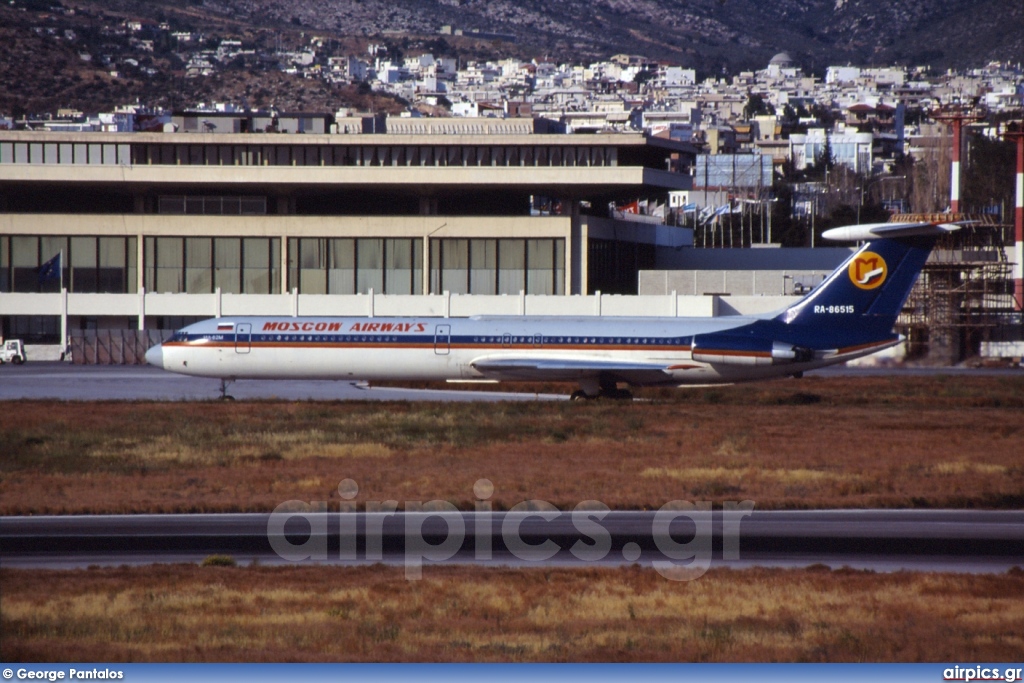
[[67, 382], [969, 541]]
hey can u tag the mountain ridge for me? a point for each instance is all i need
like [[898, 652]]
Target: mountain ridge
[[81, 53], [704, 34]]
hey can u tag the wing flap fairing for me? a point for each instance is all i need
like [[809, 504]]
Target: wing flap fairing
[[569, 369]]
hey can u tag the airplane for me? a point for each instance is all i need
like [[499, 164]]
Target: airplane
[[849, 315]]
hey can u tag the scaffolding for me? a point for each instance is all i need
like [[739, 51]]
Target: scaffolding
[[964, 295]]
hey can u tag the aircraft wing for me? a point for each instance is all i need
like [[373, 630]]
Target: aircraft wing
[[569, 369]]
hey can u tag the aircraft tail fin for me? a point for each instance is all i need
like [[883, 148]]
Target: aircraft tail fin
[[862, 298]]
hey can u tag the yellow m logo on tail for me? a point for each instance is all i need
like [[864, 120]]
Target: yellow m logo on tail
[[868, 270]]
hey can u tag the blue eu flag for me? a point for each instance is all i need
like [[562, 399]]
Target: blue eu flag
[[51, 270]]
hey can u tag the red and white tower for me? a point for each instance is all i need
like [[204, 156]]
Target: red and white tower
[[956, 119], [1018, 223]]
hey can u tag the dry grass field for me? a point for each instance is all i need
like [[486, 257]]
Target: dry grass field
[[836, 442], [189, 613]]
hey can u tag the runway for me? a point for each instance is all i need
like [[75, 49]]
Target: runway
[[67, 382], [879, 540]]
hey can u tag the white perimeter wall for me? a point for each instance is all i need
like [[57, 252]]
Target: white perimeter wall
[[148, 305]]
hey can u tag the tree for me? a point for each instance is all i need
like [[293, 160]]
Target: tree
[[642, 77], [825, 160], [789, 114], [824, 114], [756, 106]]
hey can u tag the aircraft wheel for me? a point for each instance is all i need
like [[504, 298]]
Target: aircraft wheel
[[18, 360], [227, 397], [578, 395]]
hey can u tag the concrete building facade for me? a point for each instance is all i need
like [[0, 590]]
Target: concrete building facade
[[179, 218]]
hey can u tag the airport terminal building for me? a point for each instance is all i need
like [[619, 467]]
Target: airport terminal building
[[159, 229]]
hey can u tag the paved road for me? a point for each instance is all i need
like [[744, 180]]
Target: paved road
[[882, 540], [68, 382]]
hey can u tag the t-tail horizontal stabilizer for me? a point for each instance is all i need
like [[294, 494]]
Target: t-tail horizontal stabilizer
[[873, 231]]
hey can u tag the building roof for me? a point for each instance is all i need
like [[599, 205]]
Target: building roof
[[590, 167]]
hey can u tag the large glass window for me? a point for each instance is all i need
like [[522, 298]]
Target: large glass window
[[369, 265], [311, 275], [512, 267], [403, 270], [116, 270], [228, 265], [449, 266], [27, 255], [50, 246], [545, 259], [261, 259], [342, 267], [83, 264], [483, 259], [199, 265], [90, 264], [25, 263], [355, 266], [165, 264], [497, 266]]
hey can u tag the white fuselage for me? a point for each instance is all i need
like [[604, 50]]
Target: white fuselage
[[641, 351]]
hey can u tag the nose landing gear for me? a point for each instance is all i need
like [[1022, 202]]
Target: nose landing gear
[[224, 395]]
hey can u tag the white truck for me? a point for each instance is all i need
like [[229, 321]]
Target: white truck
[[12, 350]]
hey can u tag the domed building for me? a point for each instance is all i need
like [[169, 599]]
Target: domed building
[[780, 63], [782, 60]]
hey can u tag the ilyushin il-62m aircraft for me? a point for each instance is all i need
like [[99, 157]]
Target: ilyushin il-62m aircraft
[[849, 315]]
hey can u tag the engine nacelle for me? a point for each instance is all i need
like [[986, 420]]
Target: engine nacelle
[[788, 353], [725, 349]]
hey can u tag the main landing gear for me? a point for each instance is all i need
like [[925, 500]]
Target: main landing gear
[[604, 389], [224, 395], [617, 395]]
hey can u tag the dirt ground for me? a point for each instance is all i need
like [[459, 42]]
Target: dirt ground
[[190, 613], [835, 442]]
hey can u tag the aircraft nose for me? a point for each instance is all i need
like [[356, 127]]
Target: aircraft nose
[[155, 356]]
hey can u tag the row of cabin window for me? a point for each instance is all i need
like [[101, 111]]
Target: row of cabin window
[[347, 339]]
